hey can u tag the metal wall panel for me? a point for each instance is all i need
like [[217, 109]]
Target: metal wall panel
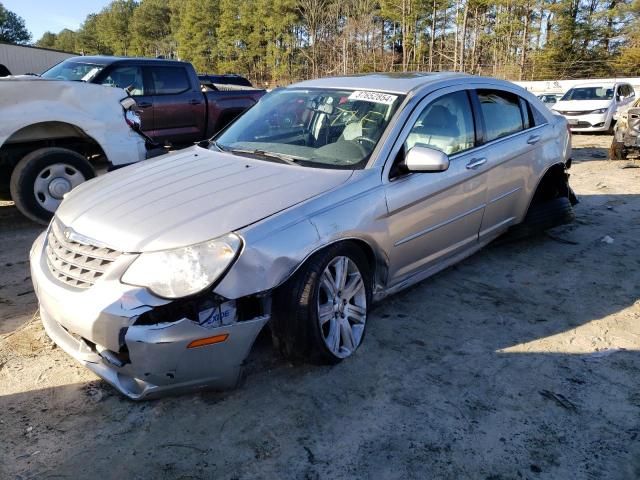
[[20, 59]]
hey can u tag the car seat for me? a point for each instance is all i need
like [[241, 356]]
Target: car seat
[[437, 129]]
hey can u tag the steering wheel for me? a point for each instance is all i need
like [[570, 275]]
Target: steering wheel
[[361, 139]]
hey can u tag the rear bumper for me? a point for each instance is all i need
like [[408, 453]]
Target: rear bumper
[[97, 326]]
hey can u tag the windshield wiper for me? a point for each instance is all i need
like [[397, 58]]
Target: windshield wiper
[[282, 157]]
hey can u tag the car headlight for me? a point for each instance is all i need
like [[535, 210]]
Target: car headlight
[[183, 271], [600, 110]]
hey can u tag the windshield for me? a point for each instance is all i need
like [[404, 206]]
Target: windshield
[[73, 70], [316, 128], [589, 93]]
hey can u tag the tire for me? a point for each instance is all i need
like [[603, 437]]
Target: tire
[[617, 150], [40, 179], [543, 216], [299, 331]]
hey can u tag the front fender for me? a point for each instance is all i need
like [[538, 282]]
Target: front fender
[[265, 263], [276, 249]]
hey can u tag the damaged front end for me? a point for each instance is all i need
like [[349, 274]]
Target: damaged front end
[[627, 132], [140, 343]]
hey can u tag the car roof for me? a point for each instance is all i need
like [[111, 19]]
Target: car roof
[[108, 60], [400, 83]]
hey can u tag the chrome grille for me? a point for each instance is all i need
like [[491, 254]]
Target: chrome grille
[[76, 264], [573, 114]]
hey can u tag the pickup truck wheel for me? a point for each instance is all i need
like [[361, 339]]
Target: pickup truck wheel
[[320, 314], [42, 177]]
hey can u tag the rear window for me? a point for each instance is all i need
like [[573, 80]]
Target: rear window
[[501, 112], [169, 80]]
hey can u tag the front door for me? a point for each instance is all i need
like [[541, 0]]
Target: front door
[[433, 216]]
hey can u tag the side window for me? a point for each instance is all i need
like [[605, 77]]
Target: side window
[[501, 112], [169, 80], [129, 78], [537, 117], [527, 120], [445, 124]]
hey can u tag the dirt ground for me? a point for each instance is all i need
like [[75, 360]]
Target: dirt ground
[[520, 362]]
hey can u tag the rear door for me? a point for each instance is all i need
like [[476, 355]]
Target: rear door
[[179, 110], [514, 145], [434, 216]]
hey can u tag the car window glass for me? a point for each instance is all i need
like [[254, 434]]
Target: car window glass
[[589, 93], [501, 113], [169, 80], [445, 124], [71, 70], [537, 116], [526, 114], [129, 78], [325, 128]]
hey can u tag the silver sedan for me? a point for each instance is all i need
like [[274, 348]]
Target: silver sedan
[[326, 196]]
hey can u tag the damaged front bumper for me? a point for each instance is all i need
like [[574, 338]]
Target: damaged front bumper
[[141, 344]]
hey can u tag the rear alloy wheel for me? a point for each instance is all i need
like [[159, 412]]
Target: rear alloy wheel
[[42, 178], [320, 313]]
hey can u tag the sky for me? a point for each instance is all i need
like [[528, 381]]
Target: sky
[[53, 15]]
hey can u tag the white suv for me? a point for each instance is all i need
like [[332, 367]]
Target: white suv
[[592, 107]]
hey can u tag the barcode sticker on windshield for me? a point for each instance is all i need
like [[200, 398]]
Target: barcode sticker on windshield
[[375, 97]]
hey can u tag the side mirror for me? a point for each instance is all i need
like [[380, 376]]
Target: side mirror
[[425, 159]]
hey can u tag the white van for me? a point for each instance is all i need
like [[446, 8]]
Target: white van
[[592, 107]]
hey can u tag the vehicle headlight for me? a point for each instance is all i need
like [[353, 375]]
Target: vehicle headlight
[[600, 110], [183, 271]]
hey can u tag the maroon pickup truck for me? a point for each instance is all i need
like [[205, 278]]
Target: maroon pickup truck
[[174, 106]]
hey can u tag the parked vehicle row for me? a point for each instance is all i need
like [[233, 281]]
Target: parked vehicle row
[[52, 139], [173, 105], [326, 196], [594, 107]]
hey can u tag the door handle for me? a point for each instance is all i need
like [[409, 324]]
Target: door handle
[[144, 104], [476, 162], [194, 101], [533, 139]]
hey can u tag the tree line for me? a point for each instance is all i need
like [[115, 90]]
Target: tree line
[[278, 41], [12, 28]]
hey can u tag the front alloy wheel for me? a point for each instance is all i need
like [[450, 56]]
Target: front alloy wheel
[[320, 313], [342, 306]]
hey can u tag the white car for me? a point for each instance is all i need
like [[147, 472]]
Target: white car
[[550, 99], [593, 107]]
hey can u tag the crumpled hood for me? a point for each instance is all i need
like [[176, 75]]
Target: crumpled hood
[[187, 197], [581, 105]]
